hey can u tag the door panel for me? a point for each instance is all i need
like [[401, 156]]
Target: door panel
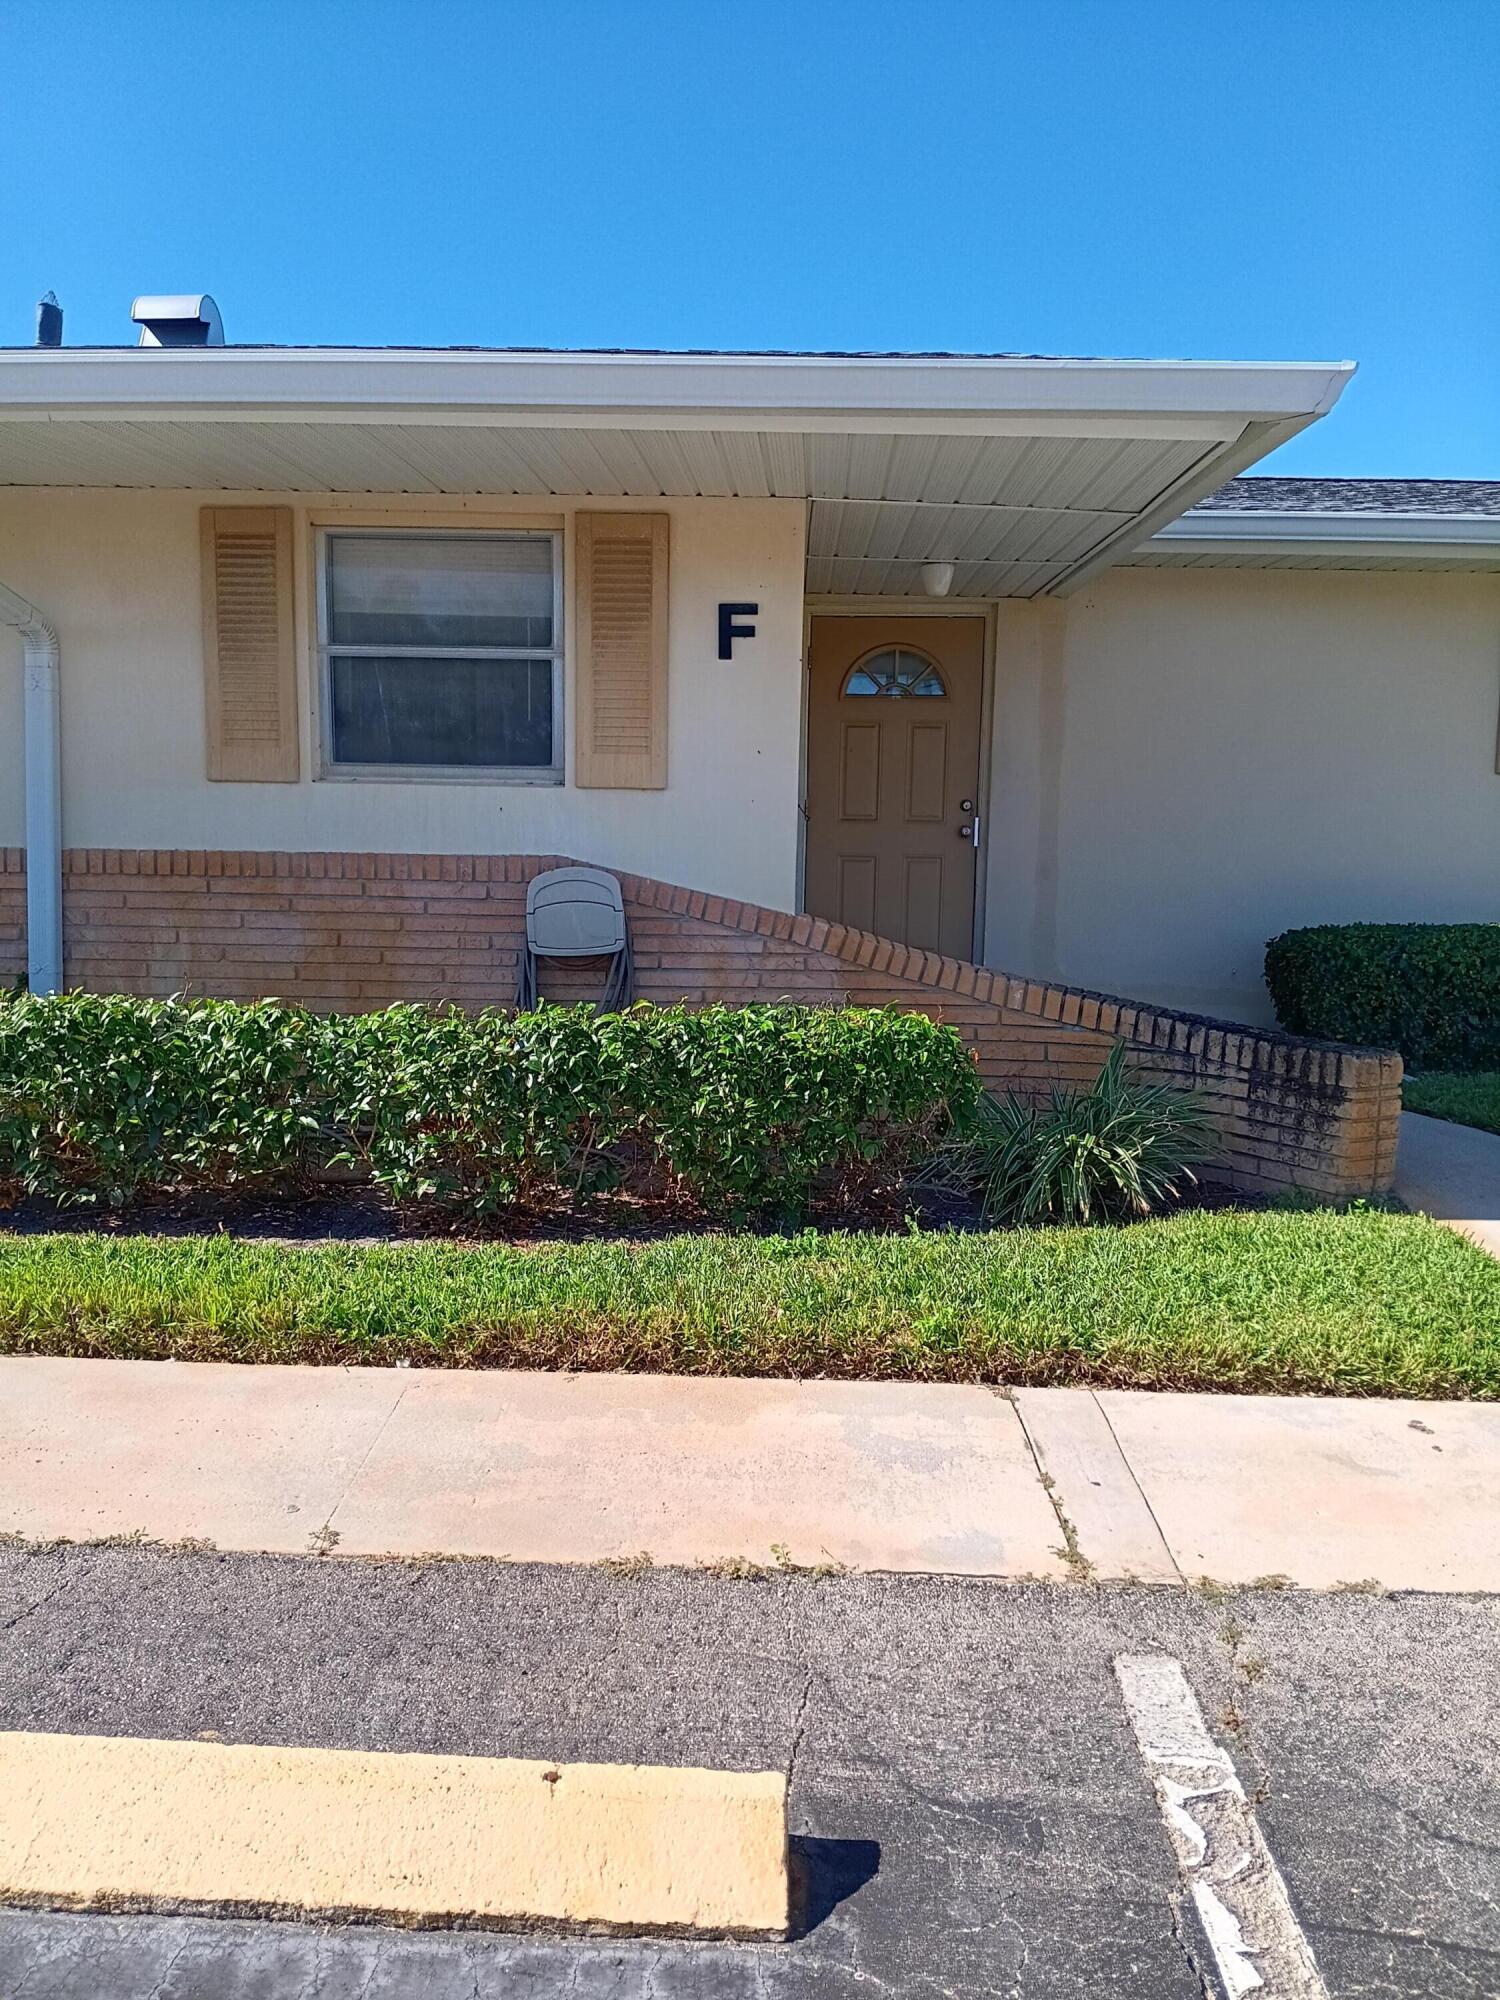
[[893, 776], [861, 794], [926, 771], [857, 891]]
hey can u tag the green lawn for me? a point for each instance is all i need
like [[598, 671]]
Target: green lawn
[[1463, 1099], [1298, 1301]]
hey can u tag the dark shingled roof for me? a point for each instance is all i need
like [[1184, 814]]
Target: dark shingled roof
[[1354, 496]]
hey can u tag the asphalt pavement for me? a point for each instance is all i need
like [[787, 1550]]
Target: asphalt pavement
[[971, 1808]]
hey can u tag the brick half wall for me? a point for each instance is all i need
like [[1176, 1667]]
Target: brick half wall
[[355, 931]]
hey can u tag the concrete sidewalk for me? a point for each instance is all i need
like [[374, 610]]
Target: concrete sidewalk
[[1452, 1173], [1047, 1483]]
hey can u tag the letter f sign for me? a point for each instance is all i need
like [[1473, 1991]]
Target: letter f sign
[[729, 630]]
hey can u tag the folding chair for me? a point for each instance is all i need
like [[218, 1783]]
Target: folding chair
[[577, 913]]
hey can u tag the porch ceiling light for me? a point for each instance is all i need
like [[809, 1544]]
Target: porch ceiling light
[[937, 578]]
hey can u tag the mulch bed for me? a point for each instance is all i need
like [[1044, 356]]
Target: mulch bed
[[346, 1218]]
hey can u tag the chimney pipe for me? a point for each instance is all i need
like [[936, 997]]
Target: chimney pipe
[[48, 321]]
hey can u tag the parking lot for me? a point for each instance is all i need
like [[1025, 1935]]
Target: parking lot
[[973, 1810]]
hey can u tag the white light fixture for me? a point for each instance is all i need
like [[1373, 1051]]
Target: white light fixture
[[937, 578]]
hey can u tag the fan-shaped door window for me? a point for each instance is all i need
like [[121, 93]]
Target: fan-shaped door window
[[895, 671]]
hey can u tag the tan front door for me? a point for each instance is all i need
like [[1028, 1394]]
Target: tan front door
[[893, 776]]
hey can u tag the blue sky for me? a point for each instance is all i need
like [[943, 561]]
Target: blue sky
[[1221, 178]]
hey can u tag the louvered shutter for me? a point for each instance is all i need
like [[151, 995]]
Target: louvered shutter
[[620, 740], [249, 645]]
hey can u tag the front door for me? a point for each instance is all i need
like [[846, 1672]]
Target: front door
[[893, 777]]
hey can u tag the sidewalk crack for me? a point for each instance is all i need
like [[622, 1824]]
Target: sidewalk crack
[[327, 1534], [1135, 1482], [1071, 1555]]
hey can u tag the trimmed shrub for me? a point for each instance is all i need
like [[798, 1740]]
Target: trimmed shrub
[[1432, 991], [736, 1110]]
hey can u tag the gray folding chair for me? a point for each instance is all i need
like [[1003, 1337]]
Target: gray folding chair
[[577, 913]]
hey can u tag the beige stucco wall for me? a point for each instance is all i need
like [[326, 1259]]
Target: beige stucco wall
[[1191, 762], [1184, 763], [118, 573]]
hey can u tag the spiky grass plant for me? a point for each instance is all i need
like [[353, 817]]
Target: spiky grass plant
[[1113, 1152]]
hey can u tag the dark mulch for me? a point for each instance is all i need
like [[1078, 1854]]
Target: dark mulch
[[346, 1217], [352, 1216]]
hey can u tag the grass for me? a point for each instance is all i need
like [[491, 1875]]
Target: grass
[[1359, 1303], [1463, 1099]]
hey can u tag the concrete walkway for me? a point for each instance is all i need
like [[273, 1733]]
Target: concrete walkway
[[873, 1476], [1452, 1173]]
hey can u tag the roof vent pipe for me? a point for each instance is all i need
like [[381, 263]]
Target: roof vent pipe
[[48, 321], [178, 319]]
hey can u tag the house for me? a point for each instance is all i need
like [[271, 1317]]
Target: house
[[988, 682]]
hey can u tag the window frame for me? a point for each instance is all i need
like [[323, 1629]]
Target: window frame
[[341, 770]]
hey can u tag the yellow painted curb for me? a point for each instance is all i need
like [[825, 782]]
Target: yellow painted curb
[[113, 1822]]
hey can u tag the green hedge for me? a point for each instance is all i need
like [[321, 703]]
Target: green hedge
[[1430, 990], [737, 1110]]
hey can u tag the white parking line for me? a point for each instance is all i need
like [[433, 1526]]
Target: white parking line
[[1236, 1887]]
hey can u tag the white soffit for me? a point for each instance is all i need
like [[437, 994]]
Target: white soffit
[[1029, 475]]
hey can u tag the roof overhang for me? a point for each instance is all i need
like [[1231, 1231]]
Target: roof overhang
[[1029, 474], [1253, 539]]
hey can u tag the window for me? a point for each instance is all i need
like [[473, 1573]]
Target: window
[[441, 654], [895, 672]]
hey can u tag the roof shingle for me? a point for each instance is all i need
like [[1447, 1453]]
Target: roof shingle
[[1269, 495]]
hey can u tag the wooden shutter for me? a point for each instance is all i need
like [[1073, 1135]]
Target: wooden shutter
[[620, 738], [249, 646]]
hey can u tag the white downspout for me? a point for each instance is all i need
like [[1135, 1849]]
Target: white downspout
[[44, 958]]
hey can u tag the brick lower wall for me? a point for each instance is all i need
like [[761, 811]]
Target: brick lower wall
[[349, 931]]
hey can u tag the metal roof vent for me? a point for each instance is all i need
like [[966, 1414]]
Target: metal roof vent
[[178, 319], [48, 321]]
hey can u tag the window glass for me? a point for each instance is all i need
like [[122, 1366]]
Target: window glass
[[441, 652], [465, 713], [439, 590], [895, 672]]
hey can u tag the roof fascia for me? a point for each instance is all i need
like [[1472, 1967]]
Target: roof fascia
[[779, 392], [1248, 531], [834, 423]]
